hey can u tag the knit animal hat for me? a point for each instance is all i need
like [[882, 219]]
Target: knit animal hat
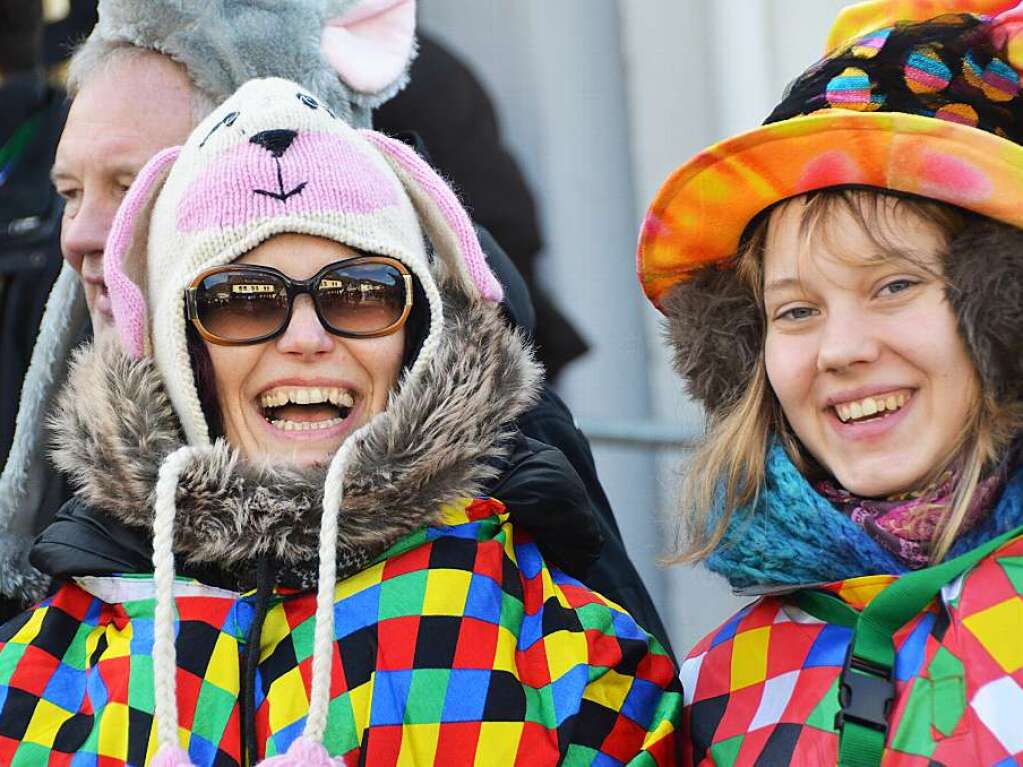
[[271, 159], [916, 97], [353, 53]]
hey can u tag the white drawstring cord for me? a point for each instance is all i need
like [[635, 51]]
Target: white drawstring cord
[[323, 636], [164, 656]]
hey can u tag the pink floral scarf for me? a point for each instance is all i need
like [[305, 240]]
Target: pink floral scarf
[[907, 525]]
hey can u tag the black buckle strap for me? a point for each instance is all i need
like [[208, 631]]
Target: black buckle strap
[[865, 693]]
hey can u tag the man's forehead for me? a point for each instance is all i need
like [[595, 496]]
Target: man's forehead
[[125, 113]]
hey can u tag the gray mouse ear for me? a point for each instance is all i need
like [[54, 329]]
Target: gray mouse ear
[[369, 44]]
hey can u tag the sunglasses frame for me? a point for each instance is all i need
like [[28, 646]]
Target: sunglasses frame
[[294, 289]]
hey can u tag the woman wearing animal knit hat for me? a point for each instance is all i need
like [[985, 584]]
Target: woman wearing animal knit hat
[[301, 406], [353, 54], [842, 288]]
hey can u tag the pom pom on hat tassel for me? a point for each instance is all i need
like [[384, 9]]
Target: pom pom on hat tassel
[[171, 756]]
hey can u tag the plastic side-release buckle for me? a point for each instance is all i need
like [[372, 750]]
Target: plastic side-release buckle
[[865, 694]]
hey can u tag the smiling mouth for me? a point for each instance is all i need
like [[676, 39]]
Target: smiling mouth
[[871, 408], [306, 408]]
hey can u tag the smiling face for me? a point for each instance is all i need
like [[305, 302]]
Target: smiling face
[[125, 113], [297, 397], [862, 348]]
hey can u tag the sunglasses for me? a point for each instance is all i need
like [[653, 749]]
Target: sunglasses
[[360, 297]]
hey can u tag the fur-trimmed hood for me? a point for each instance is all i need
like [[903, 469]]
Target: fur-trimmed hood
[[436, 443]]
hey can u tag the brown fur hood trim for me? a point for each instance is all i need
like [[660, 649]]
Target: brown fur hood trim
[[114, 425], [716, 328]]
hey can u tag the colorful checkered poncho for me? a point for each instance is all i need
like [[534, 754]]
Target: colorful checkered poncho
[[458, 646], [763, 688]]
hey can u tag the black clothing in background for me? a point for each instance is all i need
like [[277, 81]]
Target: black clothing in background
[[29, 232], [447, 106]]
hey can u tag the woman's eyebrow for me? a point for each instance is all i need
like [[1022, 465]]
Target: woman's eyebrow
[[781, 284]]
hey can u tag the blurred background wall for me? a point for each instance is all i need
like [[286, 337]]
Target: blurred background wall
[[598, 101]]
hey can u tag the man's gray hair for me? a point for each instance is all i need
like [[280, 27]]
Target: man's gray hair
[[97, 53]]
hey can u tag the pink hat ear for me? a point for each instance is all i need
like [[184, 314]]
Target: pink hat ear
[[442, 215], [127, 301], [370, 45]]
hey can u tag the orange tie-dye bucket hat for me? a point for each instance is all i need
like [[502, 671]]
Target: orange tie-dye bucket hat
[[922, 97]]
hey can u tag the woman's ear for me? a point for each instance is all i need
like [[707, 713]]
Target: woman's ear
[[370, 45], [442, 216], [124, 258]]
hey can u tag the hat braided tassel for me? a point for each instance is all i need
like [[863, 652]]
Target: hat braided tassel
[[308, 749], [170, 753]]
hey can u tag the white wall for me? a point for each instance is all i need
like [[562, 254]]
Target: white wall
[[599, 100]]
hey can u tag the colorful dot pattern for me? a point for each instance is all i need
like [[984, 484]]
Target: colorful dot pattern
[[853, 90]]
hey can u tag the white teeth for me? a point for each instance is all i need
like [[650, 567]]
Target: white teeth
[[306, 425], [869, 406], [310, 395]]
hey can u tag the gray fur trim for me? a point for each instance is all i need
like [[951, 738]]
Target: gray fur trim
[[26, 468], [715, 329], [224, 43], [114, 425], [985, 276]]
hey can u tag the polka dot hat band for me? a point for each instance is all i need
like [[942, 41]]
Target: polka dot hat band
[[921, 97]]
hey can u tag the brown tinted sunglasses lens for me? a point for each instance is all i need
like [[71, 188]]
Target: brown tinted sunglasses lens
[[362, 298], [240, 305]]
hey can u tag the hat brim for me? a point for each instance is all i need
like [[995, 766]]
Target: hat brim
[[700, 213]]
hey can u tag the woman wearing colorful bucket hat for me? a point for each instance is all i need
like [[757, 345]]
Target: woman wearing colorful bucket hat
[[843, 288], [311, 381]]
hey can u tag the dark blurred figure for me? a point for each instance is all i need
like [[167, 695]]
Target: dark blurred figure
[[31, 118], [447, 106]]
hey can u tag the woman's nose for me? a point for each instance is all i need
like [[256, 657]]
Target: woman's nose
[[847, 338], [305, 333]]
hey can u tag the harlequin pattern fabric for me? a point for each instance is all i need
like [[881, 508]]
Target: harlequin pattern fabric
[[762, 689], [458, 646], [932, 109]]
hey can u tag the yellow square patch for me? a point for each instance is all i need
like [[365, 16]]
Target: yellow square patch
[[610, 690], [223, 670], [418, 744], [361, 699], [446, 592], [288, 700], [999, 629], [749, 657], [46, 721], [113, 731], [498, 743]]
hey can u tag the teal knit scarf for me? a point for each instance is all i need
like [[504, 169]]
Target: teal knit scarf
[[793, 536]]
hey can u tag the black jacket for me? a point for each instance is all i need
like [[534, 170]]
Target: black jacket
[[29, 235]]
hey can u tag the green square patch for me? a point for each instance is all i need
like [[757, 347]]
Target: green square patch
[[341, 735], [426, 695], [402, 595], [727, 751], [212, 712]]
